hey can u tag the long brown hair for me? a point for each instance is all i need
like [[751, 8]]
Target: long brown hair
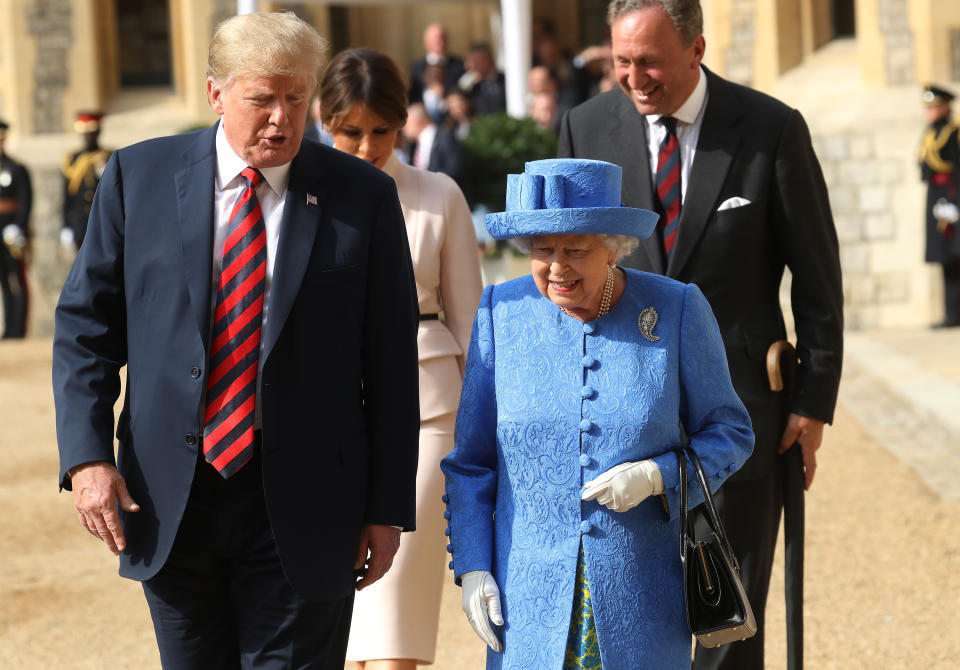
[[362, 77]]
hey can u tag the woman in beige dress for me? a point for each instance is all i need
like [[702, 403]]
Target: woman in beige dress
[[364, 106]]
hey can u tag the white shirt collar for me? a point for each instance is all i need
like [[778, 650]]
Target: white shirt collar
[[688, 111], [230, 165]]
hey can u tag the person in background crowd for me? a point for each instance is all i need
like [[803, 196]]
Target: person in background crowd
[[939, 162], [582, 380], [81, 174], [365, 106], [433, 147], [434, 93], [733, 174], [435, 48], [16, 201], [260, 293], [483, 82], [543, 110], [543, 105], [459, 114]]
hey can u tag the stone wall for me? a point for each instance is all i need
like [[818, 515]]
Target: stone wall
[[894, 24], [955, 54], [738, 56], [50, 25]]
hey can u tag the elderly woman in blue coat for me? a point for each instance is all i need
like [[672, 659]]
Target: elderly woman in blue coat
[[582, 380]]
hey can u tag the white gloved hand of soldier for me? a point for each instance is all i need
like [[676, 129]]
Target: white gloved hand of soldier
[[481, 604], [67, 240], [944, 210], [13, 236], [624, 486]]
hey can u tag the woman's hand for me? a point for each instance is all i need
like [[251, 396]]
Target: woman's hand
[[481, 604], [624, 486]]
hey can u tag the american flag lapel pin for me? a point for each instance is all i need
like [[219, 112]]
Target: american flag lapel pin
[[311, 199]]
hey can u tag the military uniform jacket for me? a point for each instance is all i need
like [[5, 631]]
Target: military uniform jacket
[[939, 160], [81, 171], [15, 185]]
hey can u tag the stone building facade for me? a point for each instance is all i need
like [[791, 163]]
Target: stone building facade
[[853, 67]]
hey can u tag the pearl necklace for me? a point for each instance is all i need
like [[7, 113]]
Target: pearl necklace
[[605, 297]]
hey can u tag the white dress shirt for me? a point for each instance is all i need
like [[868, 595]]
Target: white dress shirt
[[272, 193], [689, 121]]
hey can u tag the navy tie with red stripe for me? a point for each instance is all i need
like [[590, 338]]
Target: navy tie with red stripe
[[228, 440], [668, 183]]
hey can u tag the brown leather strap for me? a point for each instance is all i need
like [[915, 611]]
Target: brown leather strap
[[9, 205]]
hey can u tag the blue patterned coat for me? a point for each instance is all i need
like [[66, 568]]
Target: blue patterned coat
[[548, 403]]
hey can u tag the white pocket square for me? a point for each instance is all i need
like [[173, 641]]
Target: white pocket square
[[730, 203]]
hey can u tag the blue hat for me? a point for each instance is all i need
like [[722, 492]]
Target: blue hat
[[568, 195]]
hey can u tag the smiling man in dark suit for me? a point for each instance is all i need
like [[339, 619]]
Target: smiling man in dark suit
[[260, 293], [741, 196]]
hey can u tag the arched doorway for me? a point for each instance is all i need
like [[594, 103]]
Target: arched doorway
[[143, 43], [844, 18]]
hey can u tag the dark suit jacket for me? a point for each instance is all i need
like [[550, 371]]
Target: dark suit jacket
[[339, 374], [445, 154], [757, 148], [452, 71]]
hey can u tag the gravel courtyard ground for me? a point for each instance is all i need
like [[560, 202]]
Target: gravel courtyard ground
[[883, 557]]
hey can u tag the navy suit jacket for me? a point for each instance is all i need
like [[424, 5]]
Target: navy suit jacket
[[753, 147], [339, 370]]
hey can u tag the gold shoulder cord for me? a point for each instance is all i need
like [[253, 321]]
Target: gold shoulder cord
[[82, 168], [931, 146]]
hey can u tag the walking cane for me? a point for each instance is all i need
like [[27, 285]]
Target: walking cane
[[781, 367]]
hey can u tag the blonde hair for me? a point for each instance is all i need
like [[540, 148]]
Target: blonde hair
[[265, 44]]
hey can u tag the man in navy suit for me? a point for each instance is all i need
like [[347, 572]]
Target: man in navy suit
[[260, 294], [741, 196]]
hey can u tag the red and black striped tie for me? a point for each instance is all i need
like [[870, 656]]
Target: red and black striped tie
[[228, 441], [668, 183]]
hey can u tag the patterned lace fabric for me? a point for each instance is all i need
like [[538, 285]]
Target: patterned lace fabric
[[548, 403], [583, 648]]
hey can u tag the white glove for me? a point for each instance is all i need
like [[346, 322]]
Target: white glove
[[946, 211], [13, 236], [481, 604], [67, 240], [624, 486]]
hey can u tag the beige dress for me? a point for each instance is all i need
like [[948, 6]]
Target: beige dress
[[397, 617]]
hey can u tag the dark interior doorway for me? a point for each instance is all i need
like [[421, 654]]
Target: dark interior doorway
[[143, 32], [844, 18]]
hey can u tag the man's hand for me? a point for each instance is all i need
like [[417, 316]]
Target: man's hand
[[97, 490], [809, 434], [382, 543]]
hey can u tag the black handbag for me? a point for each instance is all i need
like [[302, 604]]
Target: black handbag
[[718, 611]]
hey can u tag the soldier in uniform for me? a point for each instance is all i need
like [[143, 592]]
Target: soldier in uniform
[[81, 172], [16, 199], [939, 161]]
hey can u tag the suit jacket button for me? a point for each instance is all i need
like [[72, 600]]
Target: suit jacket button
[[585, 460], [587, 392], [195, 373], [585, 527], [449, 548], [450, 565], [446, 515], [191, 439]]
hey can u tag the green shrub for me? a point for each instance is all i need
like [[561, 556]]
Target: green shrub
[[496, 146]]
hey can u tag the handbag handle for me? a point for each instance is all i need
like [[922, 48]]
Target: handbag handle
[[713, 518]]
